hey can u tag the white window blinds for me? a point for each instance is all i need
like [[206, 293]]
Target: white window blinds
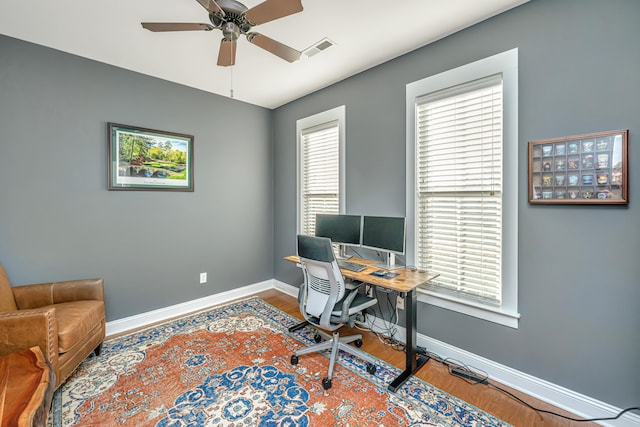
[[320, 173], [459, 188]]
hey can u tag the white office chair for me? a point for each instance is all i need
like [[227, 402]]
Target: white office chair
[[325, 303]]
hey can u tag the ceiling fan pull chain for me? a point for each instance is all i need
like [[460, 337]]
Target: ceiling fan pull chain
[[231, 90]]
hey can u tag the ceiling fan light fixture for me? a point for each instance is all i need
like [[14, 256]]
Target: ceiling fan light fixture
[[231, 31]]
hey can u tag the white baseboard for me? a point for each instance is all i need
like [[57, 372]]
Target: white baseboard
[[150, 317], [546, 391], [561, 397], [286, 288]]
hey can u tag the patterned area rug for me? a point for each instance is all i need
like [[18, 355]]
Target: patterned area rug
[[230, 366]]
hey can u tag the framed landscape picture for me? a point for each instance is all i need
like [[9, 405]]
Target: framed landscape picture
[[148, 159], [589, 169]]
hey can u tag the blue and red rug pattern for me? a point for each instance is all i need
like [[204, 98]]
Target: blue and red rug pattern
[[230, 366]]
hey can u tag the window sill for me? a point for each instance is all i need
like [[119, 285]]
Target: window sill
[[497, 315]]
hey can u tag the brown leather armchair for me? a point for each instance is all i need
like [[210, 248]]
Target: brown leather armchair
[[65, 319]]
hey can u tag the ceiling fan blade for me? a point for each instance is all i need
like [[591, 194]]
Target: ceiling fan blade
[[227, 53], [283, 51], [176, 26], [271, 10], [212, 7]]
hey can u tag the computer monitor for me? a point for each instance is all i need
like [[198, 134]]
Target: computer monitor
[[386, 234], [343, 230]]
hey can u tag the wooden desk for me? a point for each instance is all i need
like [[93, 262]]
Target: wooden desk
[[406, 282], [26, 387]]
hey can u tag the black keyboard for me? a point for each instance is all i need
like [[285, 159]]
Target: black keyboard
[[351, 266]]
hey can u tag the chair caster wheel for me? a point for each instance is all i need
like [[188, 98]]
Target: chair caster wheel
[[326, 383], [317, 338], [294, 360], [358, 343], [371, 368]]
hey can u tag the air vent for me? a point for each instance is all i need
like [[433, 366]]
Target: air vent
[[318, 47]]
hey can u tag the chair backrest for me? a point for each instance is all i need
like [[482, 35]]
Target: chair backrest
[[323, 282], [7, 301]]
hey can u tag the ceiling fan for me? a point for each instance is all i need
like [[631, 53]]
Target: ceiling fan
[[233, 18]]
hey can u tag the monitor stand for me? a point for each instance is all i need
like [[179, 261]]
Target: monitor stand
[[390, 264], [342, 253]]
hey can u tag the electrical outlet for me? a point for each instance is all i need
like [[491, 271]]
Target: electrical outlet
[[370, 291], [203, 277], [400, 302]]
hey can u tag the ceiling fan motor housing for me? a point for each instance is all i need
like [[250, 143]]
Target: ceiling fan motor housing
[[234, 22]]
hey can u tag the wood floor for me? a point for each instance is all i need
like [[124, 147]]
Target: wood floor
[[482, 396]]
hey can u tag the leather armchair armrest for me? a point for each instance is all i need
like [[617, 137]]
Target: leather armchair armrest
[[43, 294], [24, 329]]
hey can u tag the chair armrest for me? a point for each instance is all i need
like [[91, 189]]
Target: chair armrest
[[346, 304], [43, 294], [24, 329], [351, 284]]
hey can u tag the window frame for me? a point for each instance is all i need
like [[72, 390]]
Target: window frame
[[335, 114], [506, 64]]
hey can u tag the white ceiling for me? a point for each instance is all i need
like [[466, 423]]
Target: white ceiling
[[365, 32]]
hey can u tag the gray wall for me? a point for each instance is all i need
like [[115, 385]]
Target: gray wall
[[57, 219], [578, 265]]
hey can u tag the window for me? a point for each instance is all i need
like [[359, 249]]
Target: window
[[462, 183], [320, 167]]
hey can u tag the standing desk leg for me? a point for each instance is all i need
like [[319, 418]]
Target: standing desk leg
[[411, 364]]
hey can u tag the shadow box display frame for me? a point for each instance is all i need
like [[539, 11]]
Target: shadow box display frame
[[590, 169], [149, 159]]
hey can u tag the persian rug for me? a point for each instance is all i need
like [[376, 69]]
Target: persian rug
[[230, 366]]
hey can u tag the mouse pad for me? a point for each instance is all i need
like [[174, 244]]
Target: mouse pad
[[383, 274]]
